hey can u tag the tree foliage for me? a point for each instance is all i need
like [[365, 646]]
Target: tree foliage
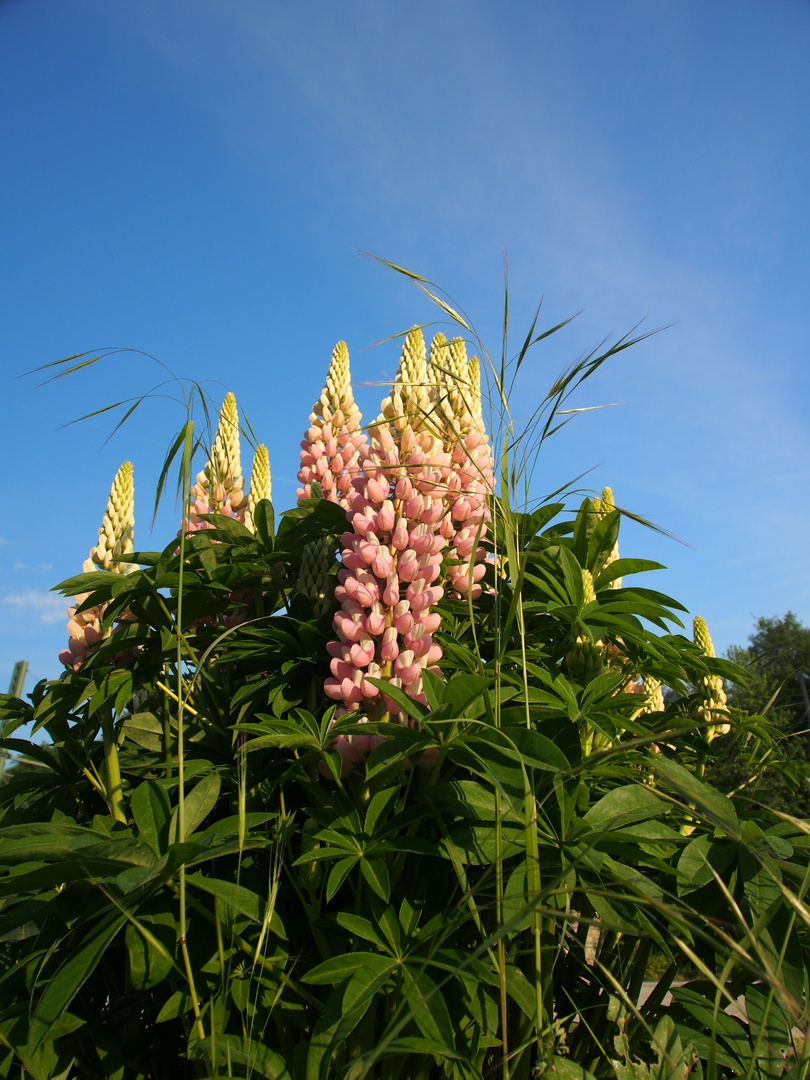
[[775, 659]]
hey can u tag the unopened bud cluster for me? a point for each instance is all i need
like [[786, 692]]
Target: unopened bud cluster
[[710, 688], [604, 506], [330, 449], [115, 538], [313, 577], [585, 660], [218, 488], [458, 415]]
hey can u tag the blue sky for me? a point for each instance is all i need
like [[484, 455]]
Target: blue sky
[[195, 180]]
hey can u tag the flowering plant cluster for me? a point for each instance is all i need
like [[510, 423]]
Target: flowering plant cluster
[[224, 863]]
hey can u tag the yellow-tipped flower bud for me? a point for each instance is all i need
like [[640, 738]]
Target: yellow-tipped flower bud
[[411, 398], [585, 660], [225, 458], [702, 637], [115, 537], [260, 486], [589, 593], [604, 506], [655, 694], [608, 503], [330, 449], [223, 472], [710, 688]]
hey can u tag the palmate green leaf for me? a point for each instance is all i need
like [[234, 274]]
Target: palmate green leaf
[[585, 523], [338, 968], [63, 986], [151, 810], [56, 841], [264, 520], [602, 541], [90, 581], [150, 943], [412, 1046], [428, 1007], [471, 799], [115, 686], [706, 799], [229, 1050], [624, 805], [145, 730], [199, 803], [572, 574], [345, 1008], [621, 568], [239, 898], [361, 928], [406, 704], [479, 845], [178, 1004], [381, 803], [566, 1069], [462, 690], [338, 874], [389, 753], [227, 529], [376, 875]]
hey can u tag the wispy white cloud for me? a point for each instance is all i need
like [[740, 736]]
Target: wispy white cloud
[[39, 568], [46, 606]]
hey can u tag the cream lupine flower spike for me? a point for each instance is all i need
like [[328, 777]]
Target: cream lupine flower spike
[[219, 486], [330, 449], [115, 536], [655, 694], [412, 395], [604, 506], [260, 486], [710, 687], [458, 418]]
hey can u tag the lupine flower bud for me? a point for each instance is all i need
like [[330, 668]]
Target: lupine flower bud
[[585, 660], [588, 591], [115, 538], [219, 487], [655, 694], [710, 688], [457, 416], [115, 534], [604, 506], [260, 487], [330, 450], [313, 577]]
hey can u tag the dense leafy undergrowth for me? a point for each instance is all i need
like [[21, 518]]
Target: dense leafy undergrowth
[[214, 868]]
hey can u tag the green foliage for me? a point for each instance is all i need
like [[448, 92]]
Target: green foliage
[[481, 895]]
